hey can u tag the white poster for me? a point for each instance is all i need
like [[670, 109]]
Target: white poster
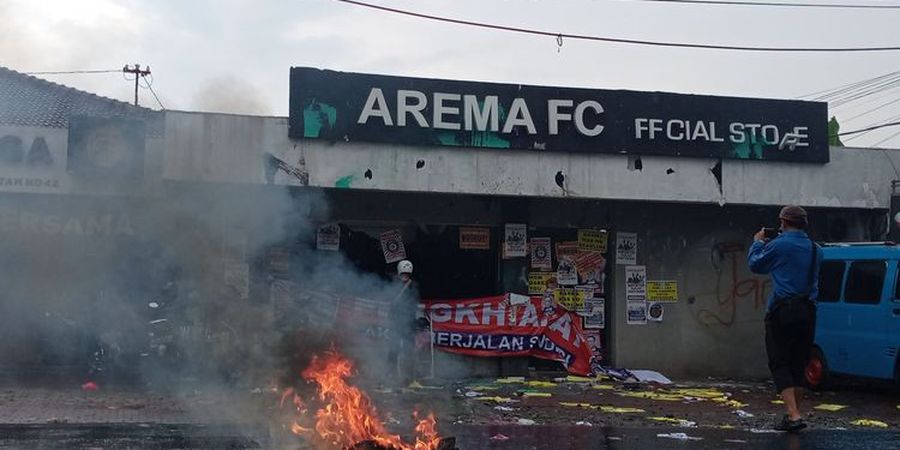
[[328, 237], [392, 246], [626, 248], [636, 282], [596, 314], [637, 312], [515, 243], [540, 254], [566, 273]]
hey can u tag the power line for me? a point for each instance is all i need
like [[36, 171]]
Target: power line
[[873, 127], [150, 87], [827, 93], [560, 36], [69, 72], [792, 5]]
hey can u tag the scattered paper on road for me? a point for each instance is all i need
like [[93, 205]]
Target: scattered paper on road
[[496, 399], [540, 384], [869, 423], [616, 410], [576, 405], [650, 376], [510, 380], [537, 394], [604, 386], [679, 436], [829, 407]]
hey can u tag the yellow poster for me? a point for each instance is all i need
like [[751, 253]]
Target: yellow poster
[[537, 281], [592, 240], [662, 290], [570, 298]]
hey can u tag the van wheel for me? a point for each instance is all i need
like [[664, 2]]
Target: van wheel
[[817, 370]]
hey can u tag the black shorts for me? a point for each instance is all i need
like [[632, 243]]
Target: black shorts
[[789, 348]]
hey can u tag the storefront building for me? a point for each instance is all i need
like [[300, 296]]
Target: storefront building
[[647, 198]]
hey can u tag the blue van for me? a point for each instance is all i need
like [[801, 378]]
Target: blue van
[[858, 324]]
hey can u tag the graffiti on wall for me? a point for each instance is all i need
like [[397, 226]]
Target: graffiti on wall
[[733, 285]]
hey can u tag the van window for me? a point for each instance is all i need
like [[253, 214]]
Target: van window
[[831, 279], [897, 287], [864, 282]]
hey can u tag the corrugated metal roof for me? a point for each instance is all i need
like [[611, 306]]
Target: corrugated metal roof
[[31, 101]]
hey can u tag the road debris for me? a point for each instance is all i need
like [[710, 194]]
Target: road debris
[[617, 410], [679, 436], [504, 408], [537, 394], [523, 421], [829, 407], [511, 380], [869, 423], [499, 437], [583, 423], [743, 414], [680, 422], [576, 405], [496, 399]]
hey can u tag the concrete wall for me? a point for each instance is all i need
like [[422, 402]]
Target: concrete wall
[[228, 148]]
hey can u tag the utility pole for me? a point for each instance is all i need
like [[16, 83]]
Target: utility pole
[[138, 73]]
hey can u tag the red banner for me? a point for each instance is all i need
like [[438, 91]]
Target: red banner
[[510, 325]]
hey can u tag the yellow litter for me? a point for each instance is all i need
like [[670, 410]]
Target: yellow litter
[[666, 419], [735, 404], [653, 396], [613, 409], [725, 427], [700, 393], [829, 407], [417, 385], [610, 387], [495, 399], [869, 423], [510, 380], [576, 405], [537, 394], [541, 384], [483, 388], [575, 379], [777, 402]]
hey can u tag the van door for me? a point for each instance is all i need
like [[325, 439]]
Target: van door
[[892, 339], [865, 294], [831, 323]]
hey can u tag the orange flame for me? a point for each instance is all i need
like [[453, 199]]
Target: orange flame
[[348, 416]]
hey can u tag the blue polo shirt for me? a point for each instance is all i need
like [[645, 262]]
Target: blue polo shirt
[[787, 259]]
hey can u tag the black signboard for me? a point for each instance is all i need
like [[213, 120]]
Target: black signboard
[[351, 107]]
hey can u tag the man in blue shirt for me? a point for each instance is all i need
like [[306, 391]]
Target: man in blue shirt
[[793, 260]]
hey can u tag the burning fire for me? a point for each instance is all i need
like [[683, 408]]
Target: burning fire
[[347, 416]]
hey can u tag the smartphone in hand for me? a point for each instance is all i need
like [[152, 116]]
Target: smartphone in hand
[[771, 233]]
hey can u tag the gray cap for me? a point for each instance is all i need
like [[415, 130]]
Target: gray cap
[[793, 213]]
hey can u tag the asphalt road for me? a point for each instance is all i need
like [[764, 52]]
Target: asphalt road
[[154, 436]]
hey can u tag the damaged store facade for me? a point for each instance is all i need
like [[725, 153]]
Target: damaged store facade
[[486, 188]]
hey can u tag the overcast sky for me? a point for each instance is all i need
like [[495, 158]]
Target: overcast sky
[[235, 55]]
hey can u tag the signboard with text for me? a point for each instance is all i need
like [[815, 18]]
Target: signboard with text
[[353, 107]]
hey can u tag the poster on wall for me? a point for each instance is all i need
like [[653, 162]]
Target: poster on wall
[[655, 312], [540, 254], [592, 240], [637, 312], [570, 298], [566, 248], [392, 246], [328, 237], [626, 248], [516, 240], [595, 279], [595, 342], [586, 292], [537, 281], [662, 291], [595, 316], [636, 282], [474, 238], [566, 272], [586, 262]]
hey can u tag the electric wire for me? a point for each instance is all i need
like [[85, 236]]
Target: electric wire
[[874, 127], [560, 36], [70, 72], [786, 4], [150, 88]]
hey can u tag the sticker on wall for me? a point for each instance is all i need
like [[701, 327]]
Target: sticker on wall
[[586, 292], [392, 246], [637, 312], [636, 282], [566, 272], [516, 239], [596, 313], [655, 312], [592, 240], [328, 237], [537, 281], [626, 248], [662, 291], [474, 238], [541, 258]]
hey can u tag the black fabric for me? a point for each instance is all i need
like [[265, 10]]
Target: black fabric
[[789, 344]]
